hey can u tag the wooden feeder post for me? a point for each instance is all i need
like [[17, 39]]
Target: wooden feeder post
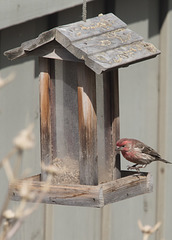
[[47, 114], [87, 114], [71, 58], [112, 129]]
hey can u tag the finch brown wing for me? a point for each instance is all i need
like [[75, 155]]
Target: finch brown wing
[[150, 151]]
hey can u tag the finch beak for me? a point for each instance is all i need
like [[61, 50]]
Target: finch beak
[[118, 149]]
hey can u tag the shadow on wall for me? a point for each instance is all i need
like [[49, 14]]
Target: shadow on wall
[[138, 10], [14, 36]]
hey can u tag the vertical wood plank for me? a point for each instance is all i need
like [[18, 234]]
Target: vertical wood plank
[[87, 125], [52, 95], [115, 122], [105, 222], [164, 109], [47, 113], [111, 166], [48, 224], [70, 111]]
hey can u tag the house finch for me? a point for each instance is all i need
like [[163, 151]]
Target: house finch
[[137, 152]]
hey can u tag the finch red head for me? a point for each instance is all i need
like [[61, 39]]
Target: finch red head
[[137, 152]]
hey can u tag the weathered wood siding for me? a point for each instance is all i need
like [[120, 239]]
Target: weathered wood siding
[[16, 11], [19, 106], [139, 116], [164, 177]]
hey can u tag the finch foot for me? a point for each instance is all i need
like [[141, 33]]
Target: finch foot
[[133, 168], [136, 167]]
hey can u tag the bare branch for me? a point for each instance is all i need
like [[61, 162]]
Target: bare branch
[[25, 139], [147, 230], [6, 80]]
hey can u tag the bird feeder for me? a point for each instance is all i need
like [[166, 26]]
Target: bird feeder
[[79, 123]]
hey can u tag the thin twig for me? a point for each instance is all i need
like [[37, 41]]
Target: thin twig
[[8, 170], [14, 229], [41, 196], [148, 230], [6, 80], [5, 205], [18, 163], [24, 141], [9, 155], [22, 213], [10, 175]]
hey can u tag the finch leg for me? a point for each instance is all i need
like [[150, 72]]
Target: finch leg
[[136, 167], [144, 165]]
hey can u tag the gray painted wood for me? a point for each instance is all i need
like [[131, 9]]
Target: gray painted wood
[[138, 117], [82, 223], [17, 111], [16, 12], [164, 191]]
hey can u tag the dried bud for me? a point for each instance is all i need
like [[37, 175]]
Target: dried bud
[[25, 191], [9, 214], [50, 169], [147, 229], [6, 80], [25, 139]]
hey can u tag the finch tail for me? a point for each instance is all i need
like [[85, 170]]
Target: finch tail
[[163, 160]]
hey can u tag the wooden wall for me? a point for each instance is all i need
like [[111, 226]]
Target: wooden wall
[[139, 116], [16, 11], [19, 106], [145, 113]]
